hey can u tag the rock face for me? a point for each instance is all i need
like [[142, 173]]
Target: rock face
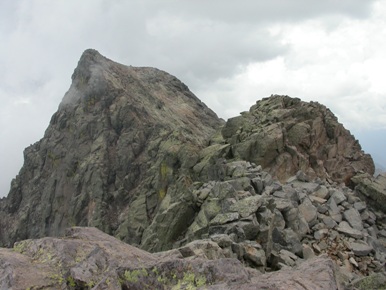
[[132, 152], [285, 135], [121, 139], [87, 258]]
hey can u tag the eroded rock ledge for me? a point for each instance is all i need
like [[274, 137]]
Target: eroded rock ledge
[[87, 258]]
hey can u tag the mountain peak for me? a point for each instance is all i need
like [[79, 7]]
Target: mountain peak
[[89, 58], [128, 142]]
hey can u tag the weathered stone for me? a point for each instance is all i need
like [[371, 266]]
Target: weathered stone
[[236, 231], [347, 230], [322, 192], [258, 185], [246, 206], [329, 222], [360, 206], [254, 256], [202, 249], [308, 211], [320, 234], [338, 196], [374, 281], [353, 217], [223, 218], [372, 189], [250, 229], [379, 247], [283, 204], [334, 210], [222, 240], [296, 222], [322, 245], [286, 239], [317, 200], [353, 262], [322, 209], [307, 252], [301, 176], [316, 248], [311, 274], [361, 249], [352, 198], [346, 205]]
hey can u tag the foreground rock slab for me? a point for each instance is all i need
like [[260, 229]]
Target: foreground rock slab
[[87, 258]]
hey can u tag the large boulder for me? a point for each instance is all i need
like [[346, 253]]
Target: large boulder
[[373, 190], [87, 258]]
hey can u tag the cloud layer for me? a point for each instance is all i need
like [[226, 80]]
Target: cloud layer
[[229, 53]]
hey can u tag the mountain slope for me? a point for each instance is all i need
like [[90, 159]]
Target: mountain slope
[[129, 147], [117, 142]]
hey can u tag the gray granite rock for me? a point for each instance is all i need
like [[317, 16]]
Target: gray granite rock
[[338, 196], [361, 249], [347, 230], [353, 217], [308, 211]]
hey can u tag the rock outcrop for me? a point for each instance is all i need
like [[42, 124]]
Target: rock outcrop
[[284, 135], [87, 258], [373, 190], [132, 152]]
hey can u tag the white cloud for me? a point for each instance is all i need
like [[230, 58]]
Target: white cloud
[[342, 68]]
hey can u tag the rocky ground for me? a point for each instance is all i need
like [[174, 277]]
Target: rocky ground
[[251, 232], [270, 225]]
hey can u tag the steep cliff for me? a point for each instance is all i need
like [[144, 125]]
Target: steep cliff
[[121, 137]]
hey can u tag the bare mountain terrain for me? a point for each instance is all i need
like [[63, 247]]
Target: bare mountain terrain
[[132, 152]]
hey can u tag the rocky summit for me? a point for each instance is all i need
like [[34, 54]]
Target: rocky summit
[[137, 184]]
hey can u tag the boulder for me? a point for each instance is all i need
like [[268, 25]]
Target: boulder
[[308, 211], [353, 217], [373, 190], [361, 249], [246, 206], [87, 258], [311, 274], [347, 230]]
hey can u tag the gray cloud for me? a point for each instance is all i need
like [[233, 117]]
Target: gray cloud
[[252, 11], [230, 53]]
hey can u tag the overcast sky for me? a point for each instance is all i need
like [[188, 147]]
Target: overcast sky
[[229, 53]]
